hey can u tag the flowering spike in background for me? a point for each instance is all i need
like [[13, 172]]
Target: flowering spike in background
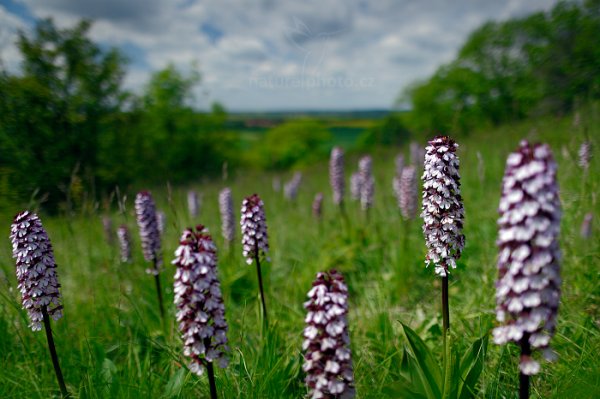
[[407, 195], [200, 308], [37, 279], [290, 189], [227, 216], [586, 226], [107, 225], [367, 183], [317, 206], [193, 203], [326, 346], [585, 153], [355, 186], [528, 285], [336, 175], [145, 211], [124, 243], [161, 222], [255, 242]]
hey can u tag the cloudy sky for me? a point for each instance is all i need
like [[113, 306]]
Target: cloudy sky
[[270, 54]]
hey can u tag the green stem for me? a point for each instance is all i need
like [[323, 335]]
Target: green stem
[[445, 307], [59, 376], [524, 378], [211, 373], [260, 285]]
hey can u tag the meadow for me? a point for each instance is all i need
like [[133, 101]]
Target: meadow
[[111, 341]]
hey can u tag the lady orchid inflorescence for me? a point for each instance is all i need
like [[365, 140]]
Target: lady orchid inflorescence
[[145, 211], [528, 286], [443, 212], [367, 183], [255, 241], [227, 217], [336, 174], [327, 359], [355, 186], [407, 192], [36, 269], [124, 243], [317, 206], [200, 308]]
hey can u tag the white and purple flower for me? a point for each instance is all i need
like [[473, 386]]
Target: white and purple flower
[[528, 285], [200, 308], [326, 346], [443, 212], [35, 268], [255, 241]]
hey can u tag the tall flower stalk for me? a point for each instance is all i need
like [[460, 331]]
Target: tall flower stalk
[[326, 346], [367, 183], [145, 211], [528, 285], [200, 308], [317, 206], [37, 279], [107, 225], [193, 203], [255, 242], [227, 217], [124, 243], [355, 186], [443, 212], [336, 176], [585, 154], [161, 222], [407, 192], [586, 226], [290, 189]]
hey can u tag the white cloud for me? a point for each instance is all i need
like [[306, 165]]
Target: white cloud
[[274, 54]]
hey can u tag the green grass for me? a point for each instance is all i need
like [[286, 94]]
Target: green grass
[[111, 342]]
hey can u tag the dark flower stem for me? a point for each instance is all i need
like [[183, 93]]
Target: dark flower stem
[[211, 374], [159, 292], [445, 307], [59, 376], [523, 378], [260, 285]]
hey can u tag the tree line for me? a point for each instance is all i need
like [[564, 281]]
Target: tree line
[[69, 128], [544, 63]]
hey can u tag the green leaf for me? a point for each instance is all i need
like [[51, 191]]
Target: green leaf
[[175, 384], [425, 364], [451, 369], [471, 366]]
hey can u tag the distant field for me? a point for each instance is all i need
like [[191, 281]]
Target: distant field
[[344, 132]]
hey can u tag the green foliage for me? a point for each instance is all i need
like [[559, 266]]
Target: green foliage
[[544, 63], [68, 128], [422, 376], [294, 143], [390, 131]]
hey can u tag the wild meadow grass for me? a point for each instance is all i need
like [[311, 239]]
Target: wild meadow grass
[[112, 344]]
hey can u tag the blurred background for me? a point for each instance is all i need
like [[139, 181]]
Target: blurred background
[[98, 95]]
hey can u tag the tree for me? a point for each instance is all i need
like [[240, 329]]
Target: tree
[[53, 114]]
